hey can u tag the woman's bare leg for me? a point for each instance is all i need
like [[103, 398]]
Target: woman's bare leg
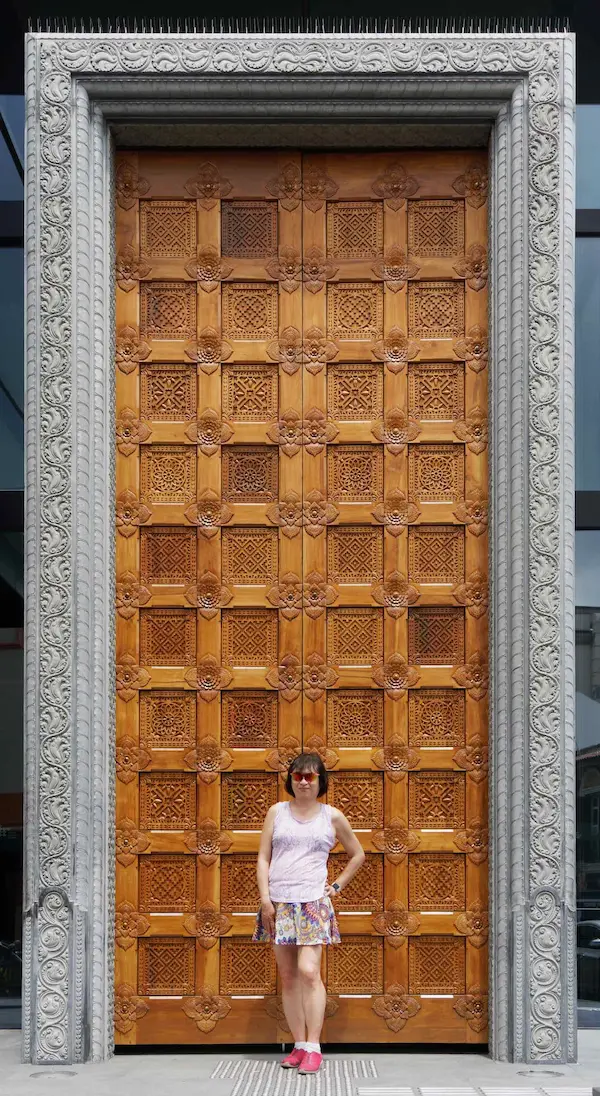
[[286, 957], [314, 996]]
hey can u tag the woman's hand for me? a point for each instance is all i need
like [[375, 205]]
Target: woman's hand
[[329, 891], [267, 912]]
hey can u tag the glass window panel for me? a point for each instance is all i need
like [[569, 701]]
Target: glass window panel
[[587, 150], [587, 364]]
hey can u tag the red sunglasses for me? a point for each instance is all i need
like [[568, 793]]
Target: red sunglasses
[[309, 777]]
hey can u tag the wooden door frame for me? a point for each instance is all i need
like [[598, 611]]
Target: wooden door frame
[[77, 89]]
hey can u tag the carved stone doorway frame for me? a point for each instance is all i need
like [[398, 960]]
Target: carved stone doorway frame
[[79, 90]]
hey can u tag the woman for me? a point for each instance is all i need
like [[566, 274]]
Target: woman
[[295, 901]]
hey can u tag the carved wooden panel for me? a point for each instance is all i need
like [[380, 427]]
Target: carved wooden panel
[[167, 883], [167, 801], [355, 718], [167, 719], [249, 719], [436, 881], [167, 555], [166, 966], [168, 229], [250, 392], [249, 555], [436, 964], [354, 554], [436, 554], [356, 966], [354, 392], [167, 310], [239, 889], [246, 967], [246, 798], [249, 229], [301, 563], [167, 392]]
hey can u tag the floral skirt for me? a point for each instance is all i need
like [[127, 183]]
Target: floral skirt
[[301, 923]]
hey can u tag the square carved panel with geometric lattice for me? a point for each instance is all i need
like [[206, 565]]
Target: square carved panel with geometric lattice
[[436, 964]]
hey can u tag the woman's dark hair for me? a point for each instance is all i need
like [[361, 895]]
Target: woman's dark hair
[[311, 763]]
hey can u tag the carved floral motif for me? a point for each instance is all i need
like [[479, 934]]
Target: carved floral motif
[[473, 186], [394, 268], [129, 186], [129, 924], [207, 186], [317, 594], [130, 269], [286, 268], [473, 593], [130, 595], [208, 595], [317, 350], [209, 513], [396, 841], [287, 514], [130, 349], [131, 431], [473, 676], [395, 676], [130, 677], [287, 187], [474, 758], [317, 431], [129, 1008], [396, 430], [473, 511], [287, 432], [318, 675], [208, 841], [473, 430], [317, 269], [396, 512], [209, 432], [207, 924], [281, 758], [287, 595], [208, 759], [208, 269], [473, 349], [287, 350], [395, 594], [287, 677], [131, 513], [209, 350], [395, 186], [474, 267], [130, 759], [396, 1007], [396, 759], [474, 841], [396, 923], [396, 349], [208, 677], [129, 842], [474, 924], [317, 185], [473, 1007], [316, 744], [206, 1009], [317, 513]]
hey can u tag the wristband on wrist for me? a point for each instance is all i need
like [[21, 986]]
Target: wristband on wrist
[[336, 887]]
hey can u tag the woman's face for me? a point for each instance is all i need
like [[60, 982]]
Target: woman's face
[[305, 785]]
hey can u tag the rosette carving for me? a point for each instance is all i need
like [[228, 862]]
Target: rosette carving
[[396, 349], [317, 431], [130, 595], [129, 924], [473, 511], [208, 269], [473, 1008], [474, 924], [473, 349], [474, 758], [130, 677], [209, 513], [274, 1009], [473, 430], [207, 924], [131, 431], [208, 350], [396, 512], [286, 268], [317, 513], [287, 514], [130, 349], [474, 841], [395, 676], [473, 594], [129, 1008], [395, 186], [287, 432], [317, 350], [208, 841], [129, 842], [394, 268], [209, 432], [396, 430], [396, 841], [287, 595], [317, 186], [473, 267], [317, 594], [396, 758], [318, 675], [317, 745], [473, 676], [396, 923], [208, 677], [130, 269], [395, 593], [208, 595], [131, 513], [287, 350], [207, 185], [206, 1010], [281, 758], [130, 758], [473, 186], [208, 759], [129, 186], [287, 677], [287, 187], [317, 269], [396, 1007]]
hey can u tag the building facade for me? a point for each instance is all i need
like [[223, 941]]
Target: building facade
[[105, 329]]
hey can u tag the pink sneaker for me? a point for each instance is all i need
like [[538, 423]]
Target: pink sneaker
[[311, 1063], [294, 1059]]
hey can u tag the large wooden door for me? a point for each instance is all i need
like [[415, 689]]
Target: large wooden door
[[301, 539]]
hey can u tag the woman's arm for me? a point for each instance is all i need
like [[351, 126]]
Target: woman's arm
[[262, 871], [351, 845]]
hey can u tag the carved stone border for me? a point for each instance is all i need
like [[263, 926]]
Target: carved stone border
[[525, 85]]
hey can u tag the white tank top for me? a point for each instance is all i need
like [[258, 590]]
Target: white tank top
[[299, 854]]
